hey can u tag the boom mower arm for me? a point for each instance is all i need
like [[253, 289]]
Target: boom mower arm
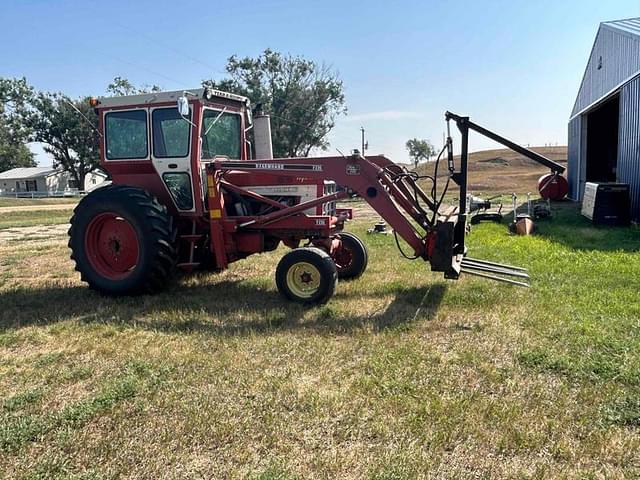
[[464, 124]]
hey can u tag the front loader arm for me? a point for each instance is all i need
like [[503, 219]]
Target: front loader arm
[[381, 183], [393, 192]]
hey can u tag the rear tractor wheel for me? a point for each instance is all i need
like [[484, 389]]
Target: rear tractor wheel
[[122, 241], [352, 258], [307, 275]]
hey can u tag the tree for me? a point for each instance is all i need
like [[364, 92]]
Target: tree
[[67, 128], [68, 136], [15, 95], [302, 97], [13, 153], [419, 150], [121, 86]]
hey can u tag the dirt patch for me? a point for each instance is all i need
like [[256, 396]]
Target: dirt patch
[[496, 160], [38, 232]]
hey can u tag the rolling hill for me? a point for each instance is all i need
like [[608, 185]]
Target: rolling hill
[[502, 170]]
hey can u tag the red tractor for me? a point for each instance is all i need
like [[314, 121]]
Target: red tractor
[[189, 191]]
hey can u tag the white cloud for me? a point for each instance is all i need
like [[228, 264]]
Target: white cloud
[[383, 115]]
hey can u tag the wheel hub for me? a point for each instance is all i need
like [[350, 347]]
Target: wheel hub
[[342, 257], [303, 279], [112, 246]]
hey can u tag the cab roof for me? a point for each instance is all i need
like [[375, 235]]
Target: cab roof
[[206, 94]]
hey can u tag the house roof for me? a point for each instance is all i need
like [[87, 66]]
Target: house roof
[[627, 25], [26, 172]]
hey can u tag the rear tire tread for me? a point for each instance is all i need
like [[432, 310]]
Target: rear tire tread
[[159, 237]]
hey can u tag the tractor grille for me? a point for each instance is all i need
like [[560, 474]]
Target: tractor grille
[[329, 208]]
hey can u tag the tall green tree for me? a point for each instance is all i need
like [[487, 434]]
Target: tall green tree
[[15, 98], [66, 128], [303, 98], [121, 86], [419, 150]]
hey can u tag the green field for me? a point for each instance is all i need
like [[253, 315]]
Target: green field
[[402, 375], [28, 218]]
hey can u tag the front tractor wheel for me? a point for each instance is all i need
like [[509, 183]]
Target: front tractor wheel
[[352, 258], [307, 275], [121, 239]]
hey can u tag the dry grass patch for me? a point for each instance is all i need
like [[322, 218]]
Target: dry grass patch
[[401, 375]]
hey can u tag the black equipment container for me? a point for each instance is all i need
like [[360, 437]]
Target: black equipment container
[[606, 203]]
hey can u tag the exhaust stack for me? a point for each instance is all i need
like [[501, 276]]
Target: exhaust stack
[[262, 137]]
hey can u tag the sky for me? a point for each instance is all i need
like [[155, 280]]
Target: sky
[[513, 66]]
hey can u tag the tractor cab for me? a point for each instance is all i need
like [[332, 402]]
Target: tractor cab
[[161, 141]]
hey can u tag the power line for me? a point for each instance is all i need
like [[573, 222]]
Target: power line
[[164, 46], [142, 67], [183, 54]]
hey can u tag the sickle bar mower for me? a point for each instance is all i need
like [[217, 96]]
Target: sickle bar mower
[[186, 193]]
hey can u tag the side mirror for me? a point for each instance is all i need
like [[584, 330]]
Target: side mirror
[[183, 106]]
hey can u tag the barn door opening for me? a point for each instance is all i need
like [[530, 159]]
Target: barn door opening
[[602, 141]]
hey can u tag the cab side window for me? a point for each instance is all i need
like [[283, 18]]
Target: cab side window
[[126, 135], [171, 133]]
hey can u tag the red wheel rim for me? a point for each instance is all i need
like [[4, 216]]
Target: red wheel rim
[[343, 257], [112, 246]]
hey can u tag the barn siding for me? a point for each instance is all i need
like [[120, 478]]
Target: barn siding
[[629, 143], [573, 158], [618, 44], [620, 52]]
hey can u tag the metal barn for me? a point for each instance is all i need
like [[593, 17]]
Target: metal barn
[[604, 128]]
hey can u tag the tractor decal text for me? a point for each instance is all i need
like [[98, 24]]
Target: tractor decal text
[[353, 169], [271, 166]]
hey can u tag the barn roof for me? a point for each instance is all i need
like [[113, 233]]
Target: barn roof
[[628, 25], [26, 172], [614, 60]]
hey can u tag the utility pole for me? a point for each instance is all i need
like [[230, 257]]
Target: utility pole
[[363, 144]]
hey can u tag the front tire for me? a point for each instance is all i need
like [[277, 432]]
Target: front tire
[[122, 241], [351, 260], [307, 275]]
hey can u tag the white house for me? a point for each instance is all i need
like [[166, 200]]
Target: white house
[[45, 181], [93, 179]]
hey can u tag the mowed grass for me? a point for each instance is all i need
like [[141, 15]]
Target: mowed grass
[[23, 202], [28, 218], [402, 375]]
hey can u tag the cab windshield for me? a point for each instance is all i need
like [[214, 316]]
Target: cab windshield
[[221, 138]]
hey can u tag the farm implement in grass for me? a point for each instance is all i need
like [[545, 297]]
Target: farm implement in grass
[[189, 191]]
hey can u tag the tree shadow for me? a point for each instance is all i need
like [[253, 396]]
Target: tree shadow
[[226, 308]]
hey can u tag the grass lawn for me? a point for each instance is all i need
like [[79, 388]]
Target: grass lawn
[[27, 218], [19, 202], [402, 375]]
